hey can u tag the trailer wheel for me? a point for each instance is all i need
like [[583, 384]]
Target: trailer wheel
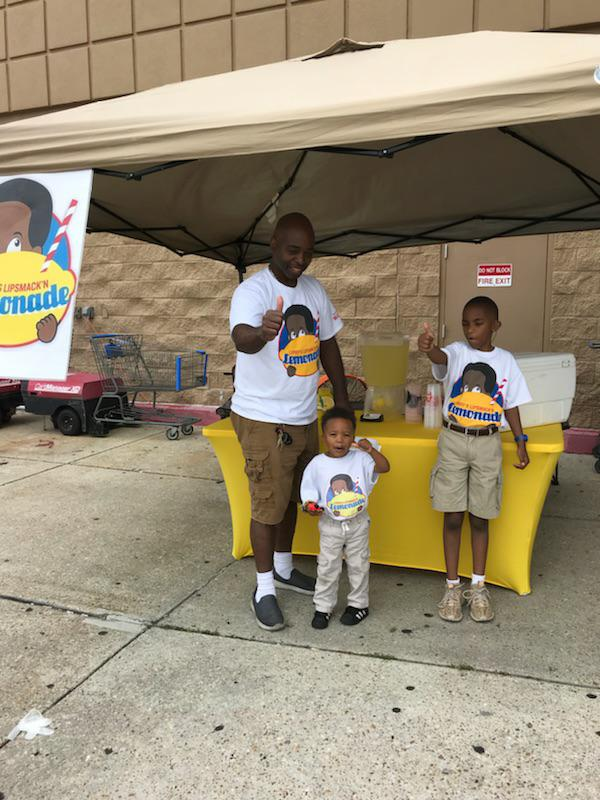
[[172, 434], [68, 422], [6, 414], [597, 465], [187, 430]]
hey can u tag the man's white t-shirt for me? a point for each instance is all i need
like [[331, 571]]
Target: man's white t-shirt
[[279, 383], [340, 485], [479, 386]]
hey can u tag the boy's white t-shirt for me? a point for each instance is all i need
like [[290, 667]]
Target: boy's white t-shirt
[[340, 485], [279, 383], [479, 386]]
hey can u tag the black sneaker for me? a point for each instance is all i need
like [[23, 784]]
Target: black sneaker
[[297, 582], [320, 620], [267, 612], [352, 616]]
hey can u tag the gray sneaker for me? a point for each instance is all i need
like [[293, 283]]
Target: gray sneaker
[[450, 606], [478, 600], [297, 582], [267, 612]]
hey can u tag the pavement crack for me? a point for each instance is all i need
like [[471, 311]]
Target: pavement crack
[[135, 471], [34, 475], [571, 519], [377, 656], [100, 615], [191, 594]]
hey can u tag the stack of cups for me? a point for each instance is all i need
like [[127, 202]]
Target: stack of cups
[[432, 417]]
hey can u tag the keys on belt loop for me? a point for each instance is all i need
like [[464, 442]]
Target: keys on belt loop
[[283, 437]]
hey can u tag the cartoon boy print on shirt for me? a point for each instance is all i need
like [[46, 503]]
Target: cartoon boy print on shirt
[[476, 399], [25, 218], [345, 498], [299, 342]]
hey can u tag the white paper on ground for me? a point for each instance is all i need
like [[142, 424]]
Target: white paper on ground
[[32, 724]]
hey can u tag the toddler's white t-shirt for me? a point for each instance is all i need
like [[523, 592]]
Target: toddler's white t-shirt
[[479, 385], [279, 383], [340, 485]]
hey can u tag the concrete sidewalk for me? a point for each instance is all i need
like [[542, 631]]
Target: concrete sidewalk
[[124, 618]]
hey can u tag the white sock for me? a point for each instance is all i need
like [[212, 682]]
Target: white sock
[[283, 564], [477, 579], [265, 584], [453, 582]]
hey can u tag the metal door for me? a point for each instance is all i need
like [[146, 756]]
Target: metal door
[[520, 266]]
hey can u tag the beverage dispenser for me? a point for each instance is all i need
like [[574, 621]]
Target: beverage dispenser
[[385, 364]]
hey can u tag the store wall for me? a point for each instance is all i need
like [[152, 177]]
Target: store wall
[[182, 303], [55, 53]]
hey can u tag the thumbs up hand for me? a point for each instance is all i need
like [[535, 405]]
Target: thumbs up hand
[[272, 321], [425, 340]]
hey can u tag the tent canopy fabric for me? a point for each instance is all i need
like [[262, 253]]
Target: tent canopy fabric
[[456, 138]]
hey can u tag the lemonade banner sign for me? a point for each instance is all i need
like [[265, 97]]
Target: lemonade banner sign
[[43, 220]]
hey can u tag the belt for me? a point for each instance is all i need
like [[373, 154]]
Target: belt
[[471, 431]]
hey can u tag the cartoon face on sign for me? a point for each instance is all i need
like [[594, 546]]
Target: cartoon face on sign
[[345, 498], [36, 283], [299, 342], [476, 398]]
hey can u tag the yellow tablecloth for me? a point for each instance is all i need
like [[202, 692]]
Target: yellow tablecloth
[[405, 531]]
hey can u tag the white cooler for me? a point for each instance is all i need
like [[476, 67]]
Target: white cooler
[[551, 381]]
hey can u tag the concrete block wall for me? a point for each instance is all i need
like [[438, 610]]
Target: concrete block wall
[[59, 52], [575, 315], [179, 304]]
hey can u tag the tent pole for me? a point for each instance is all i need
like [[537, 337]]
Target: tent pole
[[578, 173]]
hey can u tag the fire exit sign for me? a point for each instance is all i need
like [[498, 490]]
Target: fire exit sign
[[494, 275]]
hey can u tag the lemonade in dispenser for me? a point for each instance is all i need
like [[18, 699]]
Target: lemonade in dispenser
[[385, 364]]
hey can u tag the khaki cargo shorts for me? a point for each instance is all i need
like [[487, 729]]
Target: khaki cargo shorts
[[468, 474], [274, 472]]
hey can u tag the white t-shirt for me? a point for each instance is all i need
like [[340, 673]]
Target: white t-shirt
[[340, 485], [279, 383], [479, 386]]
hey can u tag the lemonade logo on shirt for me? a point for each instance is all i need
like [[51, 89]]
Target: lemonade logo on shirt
[[344, 497], [476, 398], [299, 342]]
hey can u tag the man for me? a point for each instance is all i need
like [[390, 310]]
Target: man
[[274, 407]]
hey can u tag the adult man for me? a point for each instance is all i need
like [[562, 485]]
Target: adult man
[[281, 321]]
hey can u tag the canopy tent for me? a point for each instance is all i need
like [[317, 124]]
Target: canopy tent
[[457, 138]]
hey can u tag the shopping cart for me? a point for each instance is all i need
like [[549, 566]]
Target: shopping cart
[[127, 368]]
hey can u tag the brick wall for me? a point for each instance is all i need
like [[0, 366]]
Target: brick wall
[[58, 52], [575, 316], [182, 303]]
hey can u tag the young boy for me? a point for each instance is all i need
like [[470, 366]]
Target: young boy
[[335, 487], [483, 388]]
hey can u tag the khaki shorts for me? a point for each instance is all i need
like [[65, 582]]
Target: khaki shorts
[[468, 474], [274, 473]]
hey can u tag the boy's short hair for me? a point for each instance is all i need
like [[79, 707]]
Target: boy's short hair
[[39, 201], [485, 302], [337, 412]]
